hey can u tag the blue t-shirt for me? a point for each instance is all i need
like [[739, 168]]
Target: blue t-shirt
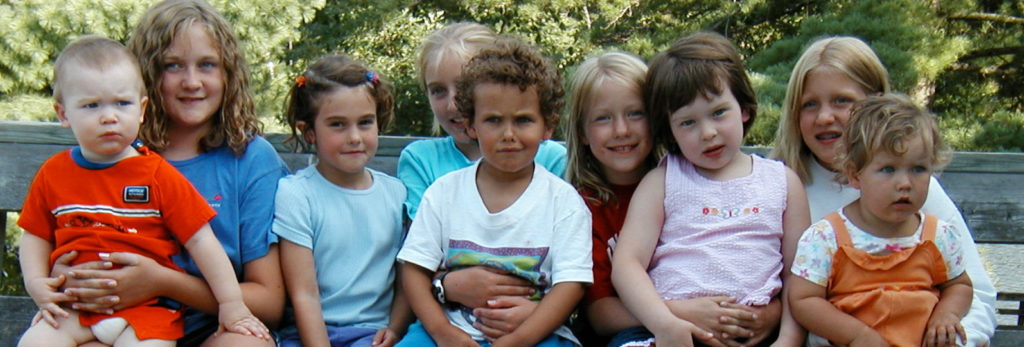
[[241, 190], [423, 162], [354, 236]]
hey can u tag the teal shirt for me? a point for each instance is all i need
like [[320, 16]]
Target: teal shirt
[[423, 162]]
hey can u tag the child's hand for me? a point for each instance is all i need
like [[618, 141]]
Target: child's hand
[[943, 330], [44, 291], [503, 315], [869, 338], [715, 314], [476, 285], [235, 317], [679, 332], [761, 320], [453, 337], [384, 338]]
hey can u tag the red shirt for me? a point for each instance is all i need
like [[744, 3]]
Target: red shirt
[[607, 221]]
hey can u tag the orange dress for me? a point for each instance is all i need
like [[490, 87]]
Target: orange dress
[[893, 294]]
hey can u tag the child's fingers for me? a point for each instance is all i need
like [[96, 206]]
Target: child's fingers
[[378, 338], [49, 319], [251, 326], [490, 332], [961, 333]]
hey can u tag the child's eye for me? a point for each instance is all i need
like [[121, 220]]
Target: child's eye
[[172, 66], [367, 122], [809, 104], [438, 91], [91, 105], [602, 118], [887, 169], [124, 103], [687, 122], [843, 100], [919, 169], [635, 114], [524, 120], [492, 120], [719, 112], [208, 65], [335, 124]]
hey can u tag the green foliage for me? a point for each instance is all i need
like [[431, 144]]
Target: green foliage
[[11, 282], [963, 59]]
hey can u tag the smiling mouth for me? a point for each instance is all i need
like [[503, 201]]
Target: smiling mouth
[[828, 136], [622, 149]]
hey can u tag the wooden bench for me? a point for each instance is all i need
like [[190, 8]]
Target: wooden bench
[[986, 186]]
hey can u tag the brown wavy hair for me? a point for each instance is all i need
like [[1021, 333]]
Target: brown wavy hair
[[695, 65], [888, 123], [324, 76], [511, 61], [235, 123]]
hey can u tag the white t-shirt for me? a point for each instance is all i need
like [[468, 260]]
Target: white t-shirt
[[544, 236]]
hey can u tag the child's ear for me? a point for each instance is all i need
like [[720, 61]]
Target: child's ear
[[471, 130], [745, 115], [142, 108], [307, 131], [60, 115], [548, 132], [851, 176]]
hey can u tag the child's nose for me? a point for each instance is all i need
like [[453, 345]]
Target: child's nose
[[708, 132], [620, 126], [825, 115], [191, 80]]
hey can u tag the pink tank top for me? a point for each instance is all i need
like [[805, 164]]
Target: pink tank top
[[721, 237]]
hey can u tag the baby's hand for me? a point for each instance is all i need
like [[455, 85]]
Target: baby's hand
[[235, 317], [44, 291], [943, 329]]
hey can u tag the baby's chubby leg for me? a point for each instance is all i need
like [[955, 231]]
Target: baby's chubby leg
[[69, 333], [128, 338]]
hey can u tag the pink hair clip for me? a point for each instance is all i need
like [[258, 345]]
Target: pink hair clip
[[300, 81]]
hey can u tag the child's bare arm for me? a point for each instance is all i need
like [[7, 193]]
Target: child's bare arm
[[34, 255], [551, 313], [637, 241], [795, 220], [954, 302], [400, 317], [417, 289], [209, 256], [299, 272], [814, 312]]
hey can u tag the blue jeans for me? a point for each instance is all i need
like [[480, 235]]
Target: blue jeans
[[417, 336]]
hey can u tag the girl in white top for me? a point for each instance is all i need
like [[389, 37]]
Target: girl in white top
[[832, 74]]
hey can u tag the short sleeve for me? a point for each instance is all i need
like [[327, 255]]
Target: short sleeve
[[412, 172], [552, 156], [292, 214], [573, 240], [814, 252], [35, 216], [256, 207], [947, 240], [424, 244], [184, 210]]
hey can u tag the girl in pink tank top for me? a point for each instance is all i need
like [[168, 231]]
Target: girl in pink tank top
[[711, 229]]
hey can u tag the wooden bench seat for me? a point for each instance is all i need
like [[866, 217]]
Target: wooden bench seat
[[986, 186]]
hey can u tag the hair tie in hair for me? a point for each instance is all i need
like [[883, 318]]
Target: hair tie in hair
[[372, 78], [300, 81]]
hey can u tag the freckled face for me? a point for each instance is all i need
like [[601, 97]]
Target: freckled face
[[192, 81], [825, 107], [616, 131]]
